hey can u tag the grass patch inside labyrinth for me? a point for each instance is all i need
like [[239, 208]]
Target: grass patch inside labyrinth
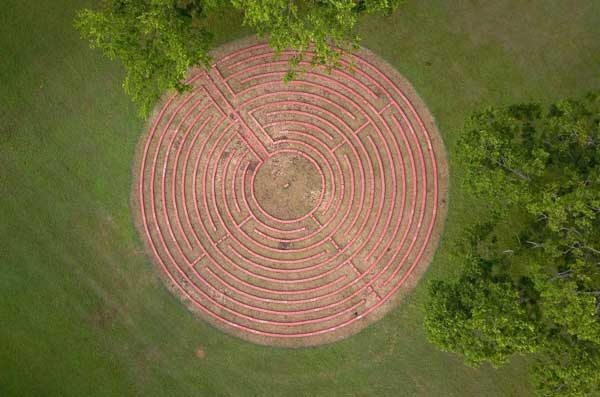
[[84, 312]]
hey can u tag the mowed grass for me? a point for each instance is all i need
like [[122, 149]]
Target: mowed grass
[[83, 311]]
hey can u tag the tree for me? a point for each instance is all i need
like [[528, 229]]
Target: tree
[[519, 152], [497, 165], [159, 40], [538, 171], [574, 311], [327, 26], [479, 316], [567, 367]]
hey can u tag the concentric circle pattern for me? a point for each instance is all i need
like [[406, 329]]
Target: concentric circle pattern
[[291, 213]]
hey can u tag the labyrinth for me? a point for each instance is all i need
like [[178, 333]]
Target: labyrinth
[[296, 213]]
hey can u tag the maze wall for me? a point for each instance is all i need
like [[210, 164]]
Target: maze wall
[[291, 213]]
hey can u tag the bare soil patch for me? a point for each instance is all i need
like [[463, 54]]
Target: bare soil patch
[[287, 186]]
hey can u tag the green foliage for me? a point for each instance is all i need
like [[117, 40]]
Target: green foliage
[[498, 165], [567, 367], [574, 311], [159, 40], [479, 316], [517, 152], [325, 27], [538, 170]]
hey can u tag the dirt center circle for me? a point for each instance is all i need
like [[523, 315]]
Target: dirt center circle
[[290, 213], [288, 185]]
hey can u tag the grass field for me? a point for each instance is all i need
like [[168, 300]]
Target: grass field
[[83, 312]]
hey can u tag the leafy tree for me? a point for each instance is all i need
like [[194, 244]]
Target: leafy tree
[[518, 152], [497, 164], [538, 171], [567, 367], [573, 310], [326, 27], [159, 40], [479, 316]]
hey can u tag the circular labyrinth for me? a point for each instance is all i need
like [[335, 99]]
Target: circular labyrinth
[[292, 213]]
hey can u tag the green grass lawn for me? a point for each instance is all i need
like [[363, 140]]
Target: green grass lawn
[[83, 311]]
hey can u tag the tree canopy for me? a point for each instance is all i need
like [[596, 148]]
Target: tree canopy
[[531, 274], [479, 316], [159, 40]]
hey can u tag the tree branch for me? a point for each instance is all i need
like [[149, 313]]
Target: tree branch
[[535, 244], [595, 251], [518, 173]]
